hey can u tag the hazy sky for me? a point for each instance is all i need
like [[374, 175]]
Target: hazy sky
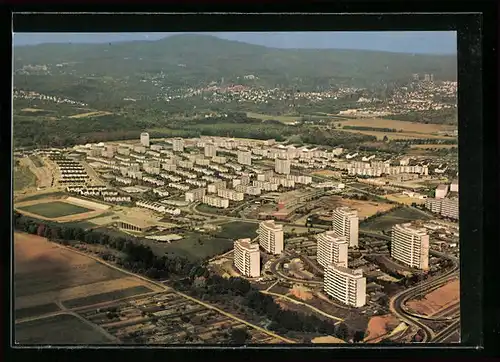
[[435, 42]]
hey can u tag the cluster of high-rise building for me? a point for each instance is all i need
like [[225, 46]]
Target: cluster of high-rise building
[[409, 245], [340, 282], [247, 254]]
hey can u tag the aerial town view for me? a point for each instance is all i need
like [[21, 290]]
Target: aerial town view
[[224, 189]]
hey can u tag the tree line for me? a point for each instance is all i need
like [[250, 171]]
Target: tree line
[[185, 275]]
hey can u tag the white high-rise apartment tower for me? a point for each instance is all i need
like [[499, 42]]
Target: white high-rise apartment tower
[[410, 245], [345, 285], [282, 166], [332, 249], [271, 237], [178, 145], [145, 139], [346, 223], [247, 258]]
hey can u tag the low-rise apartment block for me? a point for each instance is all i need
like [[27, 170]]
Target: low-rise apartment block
[[232, 195], [195, 195], [216, 201], [216, 186]]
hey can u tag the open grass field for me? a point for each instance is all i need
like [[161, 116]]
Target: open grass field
[[398, 216], [90, 114], [238, 230], [60, 329], [54, 209], [23, 178], [45, 273], [208, 209], [194, 246]]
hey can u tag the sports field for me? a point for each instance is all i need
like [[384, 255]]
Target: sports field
[[54, 209]]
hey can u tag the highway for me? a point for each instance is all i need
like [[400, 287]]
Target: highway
[[447, 332], [397, 302]]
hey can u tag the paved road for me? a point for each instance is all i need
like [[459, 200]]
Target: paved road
[[397, 302], [209, 306], [337, 319], [274, 268], [447, 332]]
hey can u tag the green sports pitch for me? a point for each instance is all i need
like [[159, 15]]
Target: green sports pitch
[[54, 209]]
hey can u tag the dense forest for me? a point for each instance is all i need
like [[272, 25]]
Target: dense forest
[[67, 131]]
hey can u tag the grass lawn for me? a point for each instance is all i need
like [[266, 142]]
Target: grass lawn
[[61, 329], [55, 209], [238, 230], [387, 221], [208, 209], [194, 246], [23, 178]]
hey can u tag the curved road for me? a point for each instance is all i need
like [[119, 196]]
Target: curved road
[[397, 302]]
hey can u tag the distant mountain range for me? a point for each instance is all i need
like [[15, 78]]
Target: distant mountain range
[[194, 60]]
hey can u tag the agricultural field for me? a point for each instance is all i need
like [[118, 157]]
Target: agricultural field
[[59, 329], [238, 230], [49, 277], [194, 246], [399, 135], [398, 216], [405, 127], [90, 114], [54, 209], [430, 146], [23, 178]]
